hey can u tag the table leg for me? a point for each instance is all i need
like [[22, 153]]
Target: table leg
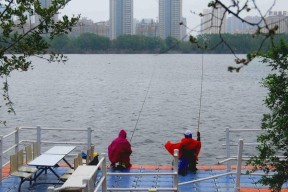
[[54, 172], [67, 163]]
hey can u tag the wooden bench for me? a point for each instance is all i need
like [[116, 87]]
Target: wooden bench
[[24, 176], [82, 179], [21, 166], [69, 172]]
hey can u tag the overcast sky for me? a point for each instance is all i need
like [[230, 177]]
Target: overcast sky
[[98, 10]]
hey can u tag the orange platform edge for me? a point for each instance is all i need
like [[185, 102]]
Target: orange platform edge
[[6, 171]]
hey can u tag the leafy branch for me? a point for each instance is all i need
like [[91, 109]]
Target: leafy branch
[[21, 39]]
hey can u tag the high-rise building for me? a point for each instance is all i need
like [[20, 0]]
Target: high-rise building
[[45, 4], [170, 17], [147, 27], [213, 21], [235, 26], [279, 18], [121, 18]]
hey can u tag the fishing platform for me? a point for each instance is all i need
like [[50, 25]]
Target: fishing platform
[[136, 183], [153, 178]]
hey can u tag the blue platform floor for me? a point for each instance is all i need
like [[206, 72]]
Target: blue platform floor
[[222, 184]]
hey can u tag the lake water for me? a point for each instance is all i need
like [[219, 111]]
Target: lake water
[[106, 93]]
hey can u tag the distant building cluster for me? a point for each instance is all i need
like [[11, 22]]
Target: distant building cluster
[[122, 22], [32, 19], [215, 21], [278, 18], [170, 22]]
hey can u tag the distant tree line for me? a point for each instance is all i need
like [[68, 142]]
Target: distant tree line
[[92, 43]]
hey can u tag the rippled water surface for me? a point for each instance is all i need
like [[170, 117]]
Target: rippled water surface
[[106, 93]]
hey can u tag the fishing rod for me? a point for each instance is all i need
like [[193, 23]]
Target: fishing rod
[[147, 91]]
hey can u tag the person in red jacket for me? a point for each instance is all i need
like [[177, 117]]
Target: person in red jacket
[[119, 151], [189, 150]]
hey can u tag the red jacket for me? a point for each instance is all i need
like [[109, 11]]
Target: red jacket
[[120, 149], [187, 143]]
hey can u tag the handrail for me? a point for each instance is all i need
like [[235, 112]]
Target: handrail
[[39, 130], [86, 180], [100, 183], [238, 170], [244, 144], [103, 179], [240, 130], [206, 178], [8, 135], [140, 189], [103, 183], [228, 145], [53, 129], [144, 174]]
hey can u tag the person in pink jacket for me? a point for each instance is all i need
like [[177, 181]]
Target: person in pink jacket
[[119, 151]]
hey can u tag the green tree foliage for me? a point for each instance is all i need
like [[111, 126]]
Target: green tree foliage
[[138, 43], [89, 41], [273, 150], [21, 39], [61, 43], [92, 43]]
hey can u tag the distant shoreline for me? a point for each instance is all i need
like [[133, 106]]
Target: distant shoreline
[[143, 52]]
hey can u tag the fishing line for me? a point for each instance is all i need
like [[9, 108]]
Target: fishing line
[[201, 86], [149, 85]]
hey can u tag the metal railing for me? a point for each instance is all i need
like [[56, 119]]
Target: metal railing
[[228, 145], [88, 182], [174, 174], [39, 133], [238, 170], [102, 183]]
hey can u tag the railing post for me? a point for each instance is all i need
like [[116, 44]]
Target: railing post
[[175, 168], [104, 173], [1, 156], [17, 140], [89, 132], [239, 164], [228, 148], [39, 138]]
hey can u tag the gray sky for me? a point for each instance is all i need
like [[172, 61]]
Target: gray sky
[[98, 10]]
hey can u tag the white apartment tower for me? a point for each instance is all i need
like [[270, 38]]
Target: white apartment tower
[[170, 16], [121, 18], [279, 18], [213, 21]]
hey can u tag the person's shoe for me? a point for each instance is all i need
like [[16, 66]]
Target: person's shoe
[[194, 169], [182, 173], [128, 166]]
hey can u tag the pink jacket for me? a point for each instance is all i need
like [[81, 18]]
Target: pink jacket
[[120, 149]]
